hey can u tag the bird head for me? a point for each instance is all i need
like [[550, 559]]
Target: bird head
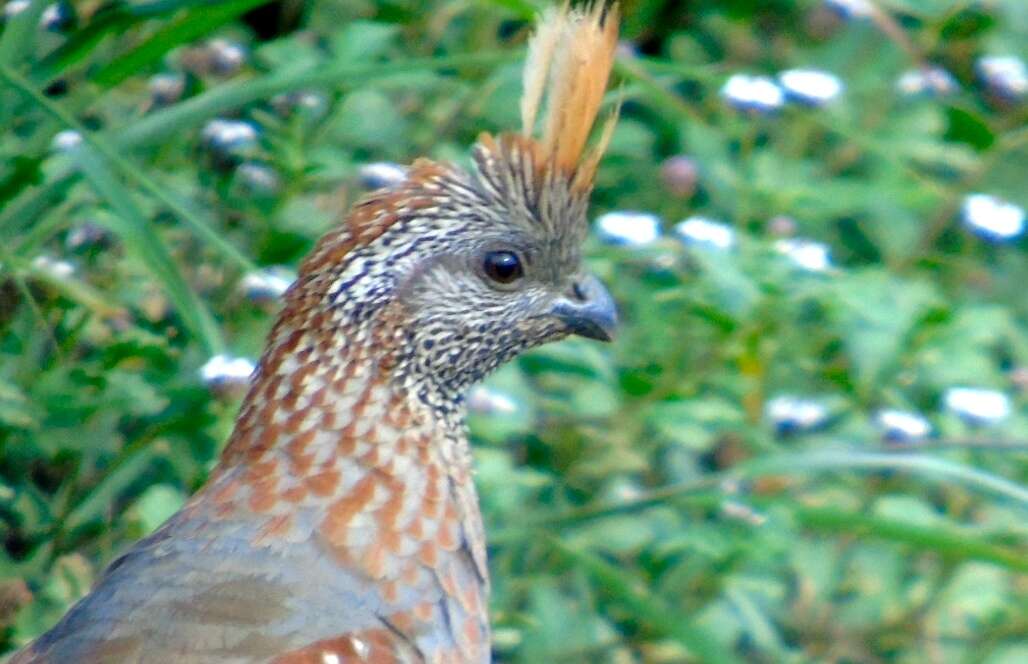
[[456, 272]]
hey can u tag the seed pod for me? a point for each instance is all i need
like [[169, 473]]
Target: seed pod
[[926, 82], [679, 175]]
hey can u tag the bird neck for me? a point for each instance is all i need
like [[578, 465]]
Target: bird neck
[[322, 391]]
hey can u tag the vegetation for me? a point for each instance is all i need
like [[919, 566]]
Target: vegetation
[[655, 500]]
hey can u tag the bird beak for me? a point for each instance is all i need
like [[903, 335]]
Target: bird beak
[[589, 311]]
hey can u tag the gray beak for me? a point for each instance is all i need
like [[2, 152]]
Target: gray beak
[[589, 310]]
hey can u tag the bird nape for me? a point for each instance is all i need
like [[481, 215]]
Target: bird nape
[[341, 523]]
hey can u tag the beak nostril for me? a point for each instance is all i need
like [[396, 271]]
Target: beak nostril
[[579, 292]]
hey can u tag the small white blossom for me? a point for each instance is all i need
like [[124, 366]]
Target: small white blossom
[[268, 284], [226, 57], [758, 94], [929, 81], [703, 232], [55, 17], [487, 401], [977, 405], [811, 87], [229, 141], [792, 414], [851, 8], [628, 228], [1006, 75], [15, 7], [229, 132], [258, 178], [227, 375], [902, 426], [66, 140], [85, 235], [806, 254], [310, 103], [739, 511], [59, 268], [992, 218], [381, 174], [166, 88]]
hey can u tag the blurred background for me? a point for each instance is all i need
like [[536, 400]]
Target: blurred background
[[810, 442]]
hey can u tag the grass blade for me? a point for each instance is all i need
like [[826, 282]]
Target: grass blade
[[649, 609], [110, 19], [946, 542], [180, 208], [234, 95], [196, 23], [919, 464], [146, 244], [16, 42]]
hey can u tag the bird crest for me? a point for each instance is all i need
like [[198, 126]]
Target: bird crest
[[569, 61]]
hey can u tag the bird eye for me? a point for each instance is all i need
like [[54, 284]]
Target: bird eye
[[503, 266]]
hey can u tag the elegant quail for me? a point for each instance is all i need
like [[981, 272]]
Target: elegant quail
[[341, 523]]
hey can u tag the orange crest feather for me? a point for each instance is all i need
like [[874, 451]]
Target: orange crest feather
[[569, 61]]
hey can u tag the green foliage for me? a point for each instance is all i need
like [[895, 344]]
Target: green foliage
[[640, 503]]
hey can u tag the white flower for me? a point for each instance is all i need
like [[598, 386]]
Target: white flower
[[992, 218], [790, 414], [226, 57], [310, 103], [87, 234], [1005, 75], [56, 267], [267, 284], [166, 88], [381, 174], [224, 373], [54, 17], [66, 140], [258, 178], [806, 254], [700, 231], [15, 7], [221, 132], [977, 405], [628, 228], [851, 8], [486, 401], [901, 425], [929, 81], [812, 87], [752, 93]]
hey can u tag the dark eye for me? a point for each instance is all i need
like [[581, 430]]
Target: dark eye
[[503, 266]]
